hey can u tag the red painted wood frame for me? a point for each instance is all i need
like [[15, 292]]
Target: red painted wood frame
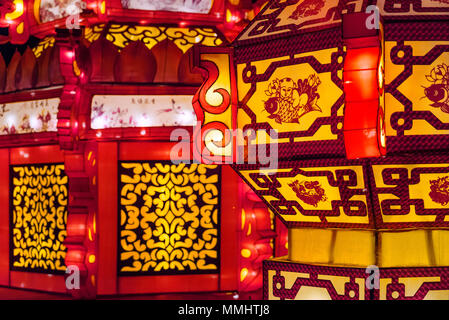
[[20, 279], [150, 133], [109, 282]]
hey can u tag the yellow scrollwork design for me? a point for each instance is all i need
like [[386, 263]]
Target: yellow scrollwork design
[[39, 217], [168, 217]]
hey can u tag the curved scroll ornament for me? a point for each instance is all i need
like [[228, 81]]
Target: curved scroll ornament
[[215, 105], [13, 16]]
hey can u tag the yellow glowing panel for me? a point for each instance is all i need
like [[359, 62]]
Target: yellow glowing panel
[[424, 189], [406, 249], [320, 196], [425, 88], [169, 218], [297, 87], [38, 217], [340, 247]]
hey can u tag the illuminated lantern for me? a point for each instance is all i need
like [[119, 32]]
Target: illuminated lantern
[[358, 116], [97, 96]]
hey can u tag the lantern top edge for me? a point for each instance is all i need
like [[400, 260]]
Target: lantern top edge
[[281, 19]]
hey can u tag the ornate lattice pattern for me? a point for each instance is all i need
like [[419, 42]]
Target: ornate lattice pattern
[[284, 280], [38, 217], [184, 38], [417, 86], [93, 33], [318, 193], [267, 93], [168, 218]]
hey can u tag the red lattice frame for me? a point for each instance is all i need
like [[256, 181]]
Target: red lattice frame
[[28, 280], [109, 283]]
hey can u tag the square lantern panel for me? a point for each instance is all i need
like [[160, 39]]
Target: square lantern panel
[[417, 87], [38, 217], [284, 280], [410, 192], [169, 218], [295, 101], [318, 193]]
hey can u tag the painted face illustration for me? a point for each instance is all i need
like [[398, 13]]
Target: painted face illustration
[[290, 100], [287, 86], [309, 192], [439, 190]]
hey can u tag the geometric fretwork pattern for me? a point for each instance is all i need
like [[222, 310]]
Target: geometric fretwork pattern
[[282, 18], [269, 92], [39, 195], [318, 193], [169, 218], [411, 192], [386, 193], [417, 82], [284, 280]]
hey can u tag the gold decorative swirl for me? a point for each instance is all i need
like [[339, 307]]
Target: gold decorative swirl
[[168, 218], [39, 217]]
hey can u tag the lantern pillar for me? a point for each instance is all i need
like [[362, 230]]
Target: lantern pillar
[[80, 167]]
